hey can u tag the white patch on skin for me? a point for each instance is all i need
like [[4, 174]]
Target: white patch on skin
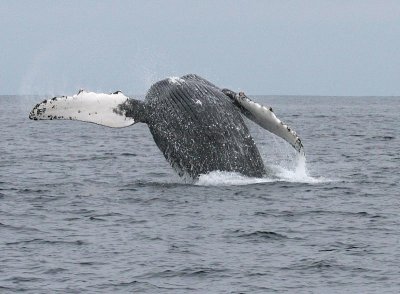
[[175, 80], [98, 108], [198, 102]]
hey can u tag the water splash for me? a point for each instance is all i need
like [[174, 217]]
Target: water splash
[[223, 178], [299, 174], [280, 173]]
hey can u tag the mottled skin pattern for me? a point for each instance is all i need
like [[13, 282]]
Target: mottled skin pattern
[[198, 128]]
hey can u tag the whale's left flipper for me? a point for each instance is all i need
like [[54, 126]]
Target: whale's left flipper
[[266, 118], [113, 110]]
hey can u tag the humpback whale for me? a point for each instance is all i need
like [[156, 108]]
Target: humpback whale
[[198, 126]]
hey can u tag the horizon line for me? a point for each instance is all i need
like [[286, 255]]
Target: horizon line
[[269, 95]]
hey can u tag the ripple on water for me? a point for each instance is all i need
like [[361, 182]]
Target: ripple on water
[[255, 236], [45, 242], [187, 272]]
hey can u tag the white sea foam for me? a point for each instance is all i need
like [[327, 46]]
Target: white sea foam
[[280, 174], [222, 178]]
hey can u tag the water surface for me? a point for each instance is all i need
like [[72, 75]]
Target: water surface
[[91, 209]]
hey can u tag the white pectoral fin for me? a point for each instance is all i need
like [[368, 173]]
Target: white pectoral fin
[[266, 118], [98, 108]]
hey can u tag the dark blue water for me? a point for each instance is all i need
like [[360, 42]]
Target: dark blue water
[[90, 209]]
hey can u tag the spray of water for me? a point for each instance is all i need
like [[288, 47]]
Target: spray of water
[[281, 173], [299, 174], [221, 178]]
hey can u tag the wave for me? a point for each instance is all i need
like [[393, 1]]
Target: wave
[[259, 235], [42, 241]]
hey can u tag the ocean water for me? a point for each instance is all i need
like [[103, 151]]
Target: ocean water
[[89, 209]]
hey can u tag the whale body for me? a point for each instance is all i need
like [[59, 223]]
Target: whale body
[[198, 127]]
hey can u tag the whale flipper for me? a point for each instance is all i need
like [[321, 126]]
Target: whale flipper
[[103, 109], [266, 118]]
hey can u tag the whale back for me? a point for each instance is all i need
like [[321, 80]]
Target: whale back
[[199, 130]]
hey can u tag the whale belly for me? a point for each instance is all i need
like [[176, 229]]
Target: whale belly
[[199, 130]]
